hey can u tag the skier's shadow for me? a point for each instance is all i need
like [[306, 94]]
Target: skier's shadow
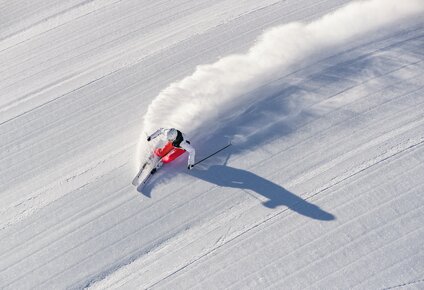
[[226, 176]]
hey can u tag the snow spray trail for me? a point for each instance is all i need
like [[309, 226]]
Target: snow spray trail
[[193, 102]]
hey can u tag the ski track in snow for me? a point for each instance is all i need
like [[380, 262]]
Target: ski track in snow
[[322, 188]]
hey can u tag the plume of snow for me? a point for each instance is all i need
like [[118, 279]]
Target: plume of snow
[[189, 104]]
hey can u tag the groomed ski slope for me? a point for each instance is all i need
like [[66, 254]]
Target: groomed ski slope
[[321, 189]]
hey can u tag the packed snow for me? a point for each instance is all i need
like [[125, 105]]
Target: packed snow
[[322, 188]]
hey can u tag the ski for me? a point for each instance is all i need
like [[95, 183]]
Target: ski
[[141, 183], [141, 178], [135, 181]]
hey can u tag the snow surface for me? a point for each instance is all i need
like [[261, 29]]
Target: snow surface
[[323, 186]]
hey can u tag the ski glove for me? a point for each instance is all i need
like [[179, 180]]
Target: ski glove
[[190, 166]]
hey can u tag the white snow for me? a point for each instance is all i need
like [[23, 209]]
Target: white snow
[[322, 188]]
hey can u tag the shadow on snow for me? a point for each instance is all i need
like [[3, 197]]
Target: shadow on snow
[[226, 176], [230, 177]]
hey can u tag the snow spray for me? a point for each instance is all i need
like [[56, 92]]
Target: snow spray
[[193, 102]]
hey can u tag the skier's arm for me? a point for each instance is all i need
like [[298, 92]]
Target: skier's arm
[[191, 152], [158, 132]]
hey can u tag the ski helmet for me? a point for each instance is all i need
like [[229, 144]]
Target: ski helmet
[[171, 135]]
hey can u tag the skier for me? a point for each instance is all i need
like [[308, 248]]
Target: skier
[[175, 147]]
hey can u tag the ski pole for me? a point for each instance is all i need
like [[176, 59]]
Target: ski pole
[[216, 152]]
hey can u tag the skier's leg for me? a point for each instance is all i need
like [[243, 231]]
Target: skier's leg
[[161, 152], [174, 154], [158, 153]]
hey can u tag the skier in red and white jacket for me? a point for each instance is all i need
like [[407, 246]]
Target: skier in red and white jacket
[[176, 146]]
